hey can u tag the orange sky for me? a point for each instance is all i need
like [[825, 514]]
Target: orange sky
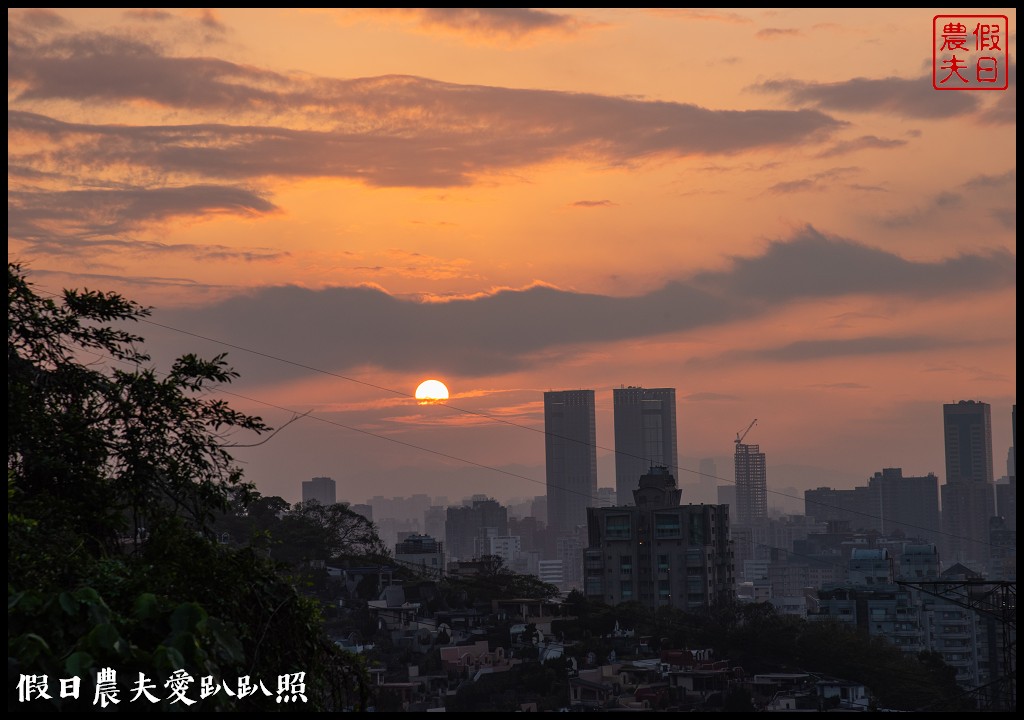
[[772, 211]]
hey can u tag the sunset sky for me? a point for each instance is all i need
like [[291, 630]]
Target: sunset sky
[[772, 211]]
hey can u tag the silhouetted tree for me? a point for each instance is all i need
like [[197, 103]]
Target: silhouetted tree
[[114, 475]]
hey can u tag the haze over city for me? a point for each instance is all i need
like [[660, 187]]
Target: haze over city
[[771, 211]]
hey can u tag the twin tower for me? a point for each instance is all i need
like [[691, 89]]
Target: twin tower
[[645, 436]]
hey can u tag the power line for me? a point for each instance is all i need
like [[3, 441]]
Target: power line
[[487, 416], [545, 432]]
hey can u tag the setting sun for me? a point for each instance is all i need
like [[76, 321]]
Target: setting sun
[[431, 391]]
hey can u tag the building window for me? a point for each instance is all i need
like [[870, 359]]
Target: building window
[[696, 529], [618, 527], [667, 525], [626, 589], [626, 564]]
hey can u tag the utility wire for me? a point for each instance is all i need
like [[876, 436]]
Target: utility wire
[[545, 432]]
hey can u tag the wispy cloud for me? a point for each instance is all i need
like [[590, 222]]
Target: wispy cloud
[[905, 97], [1004, 110], [389, 131], [592, 203], [708, 397], [996, 191], [487, 24], [70, 222], [814, 350], [105, 179], [822, 180], [773, 33], [852, 319], [793, 186], [702, 15], [864, 142], [417, 265]]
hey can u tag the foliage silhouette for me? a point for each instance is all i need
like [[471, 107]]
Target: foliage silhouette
[[114, 476]]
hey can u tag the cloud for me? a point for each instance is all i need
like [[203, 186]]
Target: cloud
[[840, 386], [1004, 110], [793, 186], [488, 23], [139, 280], [112, 67], [348, 327], [86, 248], [814, 265], [418, 265], [905, 97], [813, 183], [209, 20], [977, 374], [813, 350], [383, 131], [702, 15], [1007, 217], [72, 221], [1007, 179], [977, 191], [772, 33], [148, 15], [852, 319], [592, 203], [865, 142], [708, 397], [406, 131], [41, 19]]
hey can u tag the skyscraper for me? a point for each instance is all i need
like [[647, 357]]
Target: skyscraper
[[645, 436], [570, 454], [968, 430], [467, 526], [321, 489], [658, 552], [889, 503], [968, 497], [751, 484]]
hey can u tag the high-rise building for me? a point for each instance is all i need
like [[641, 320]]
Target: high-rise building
[[469, 527], [422, 554], [890, 503], [321, 489], [968, 430], [909, 505], [751, 484], [570, 455], [968, 497], [658, 552], [606, 497], [645, 435], [706, 481]]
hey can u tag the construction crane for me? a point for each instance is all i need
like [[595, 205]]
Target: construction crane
[[741, 435]]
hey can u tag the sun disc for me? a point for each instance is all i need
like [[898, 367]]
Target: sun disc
[[431, 391]]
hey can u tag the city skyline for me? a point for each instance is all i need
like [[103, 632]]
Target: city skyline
[[352, 201]]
